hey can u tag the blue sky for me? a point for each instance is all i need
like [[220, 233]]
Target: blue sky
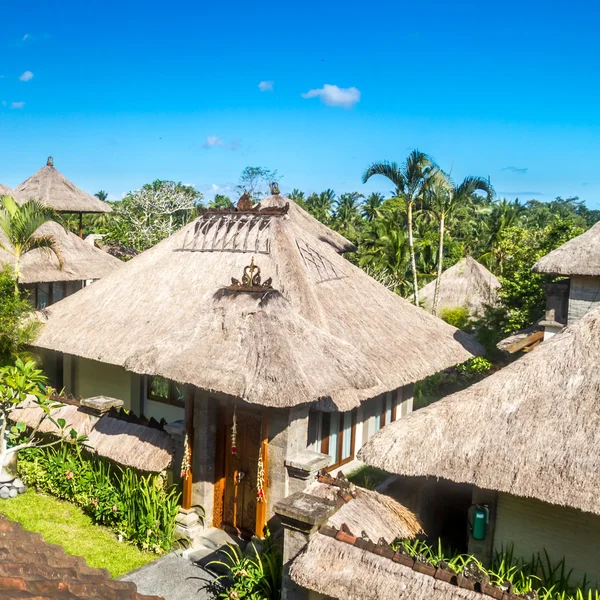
[[121, 93]]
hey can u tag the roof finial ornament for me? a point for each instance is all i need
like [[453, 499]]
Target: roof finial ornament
[[251, 280], [50, 161], [245, 201], [274, 188]]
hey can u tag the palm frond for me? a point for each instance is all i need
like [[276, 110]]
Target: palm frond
[[48, 243], [391, 170]]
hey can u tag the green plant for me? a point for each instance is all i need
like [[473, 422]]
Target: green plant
[[478, 365], [255, 575], [457, 317], [137, 506]]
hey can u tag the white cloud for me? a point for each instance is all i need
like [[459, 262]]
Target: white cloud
[[27, 76], [213, 141], [26, 37], [266, 86], [332, 95], [17, 104]]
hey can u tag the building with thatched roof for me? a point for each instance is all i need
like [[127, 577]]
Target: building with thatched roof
[[5, 191], [50, 187], [282, 355], [467, 284], [526, 440], [570, 299], [40, 271]]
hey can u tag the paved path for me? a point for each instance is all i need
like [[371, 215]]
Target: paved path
[[173, 577]]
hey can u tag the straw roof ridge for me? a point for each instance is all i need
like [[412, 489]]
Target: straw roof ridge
[[466, 284], [5, 191], [81, 260], [341, 570], [130, 444], [50, 187], [331, 333], [531, 429], [578, 256]]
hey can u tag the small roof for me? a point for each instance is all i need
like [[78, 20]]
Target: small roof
[[81, 260], [5, 191], [466, 284], [531, 429], [50, 187], [319, 329], [129, 444], [579, 256]]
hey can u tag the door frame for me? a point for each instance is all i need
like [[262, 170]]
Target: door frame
[[221, 462]]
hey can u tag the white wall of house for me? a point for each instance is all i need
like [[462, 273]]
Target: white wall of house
[[533, 526], [584, 295], [158, 411], [92, 378]]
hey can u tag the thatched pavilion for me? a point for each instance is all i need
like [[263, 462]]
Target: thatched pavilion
[[50, 187], [282, 356], [40, 270], [579, 260], [467, 284], [526, 441]]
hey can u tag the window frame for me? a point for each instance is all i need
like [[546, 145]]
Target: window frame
[[325, 435], [171, 399]]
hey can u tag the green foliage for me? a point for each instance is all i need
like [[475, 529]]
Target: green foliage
[[255, 181], [137, 506], [255, 575], [16, 328], [478, 365], [367, 477], [457, 317], [550, 580], [221, 201]]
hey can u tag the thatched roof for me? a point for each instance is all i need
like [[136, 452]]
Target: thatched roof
[[325, 331], [81, 260], [50, 187], [5, 191], [531, 429], [579, 256], [376, 515], [130, 444], [340, 570], [467, 284]]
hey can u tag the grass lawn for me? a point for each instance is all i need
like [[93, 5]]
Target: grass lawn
[[366, 477], [66, 524]]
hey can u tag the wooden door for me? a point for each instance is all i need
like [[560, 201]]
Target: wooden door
[[239, 466]]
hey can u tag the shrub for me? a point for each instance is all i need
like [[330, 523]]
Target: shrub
[[457, 317], [137, 506], [255, 575]]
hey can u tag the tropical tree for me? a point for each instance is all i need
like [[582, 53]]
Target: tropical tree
[[321, 205], [442, 199], [101, 195], [255, 181], [347, 208], [504, 214], [221, 201], [19, 224], [409, 180], [371, 208]]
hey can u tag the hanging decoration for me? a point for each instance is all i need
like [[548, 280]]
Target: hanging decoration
[[185, 461], [234, 433], [260, 479]]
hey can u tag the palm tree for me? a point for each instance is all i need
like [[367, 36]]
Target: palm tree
[[320, 205], [19, 225], [502, 215], [409, 180], [443, 198], [372, 207], [347, 209], [101, 195]]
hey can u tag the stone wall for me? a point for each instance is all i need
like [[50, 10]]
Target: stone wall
[[584, 295]]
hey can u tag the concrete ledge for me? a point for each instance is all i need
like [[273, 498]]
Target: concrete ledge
[[305, 463]]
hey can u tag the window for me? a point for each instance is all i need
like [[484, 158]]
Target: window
[[166, 391], [334, 433], [43, 295], [59, 291]]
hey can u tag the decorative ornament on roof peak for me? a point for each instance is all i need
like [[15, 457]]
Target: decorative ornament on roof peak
[[251, 280], [50, 161], [274, 187], [245, 202]]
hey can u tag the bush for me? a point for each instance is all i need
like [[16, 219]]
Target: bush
[[457, 317], [255, 575], [137, 506]]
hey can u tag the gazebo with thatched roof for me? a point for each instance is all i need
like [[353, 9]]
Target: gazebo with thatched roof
[[42, 275], [530, 435], [50, 187], [467, 284], [284, 355]]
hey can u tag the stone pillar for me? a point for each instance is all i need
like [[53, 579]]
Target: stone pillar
[[301, 516], [483, 550], [303, 467], [203, 455], [176, 431]]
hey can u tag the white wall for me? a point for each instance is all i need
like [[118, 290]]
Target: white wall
[[160, 410], [532, 525]]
